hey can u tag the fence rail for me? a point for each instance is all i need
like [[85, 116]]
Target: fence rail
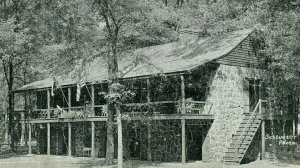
[[133, 109]]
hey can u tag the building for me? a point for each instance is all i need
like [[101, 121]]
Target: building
[[196, 99]]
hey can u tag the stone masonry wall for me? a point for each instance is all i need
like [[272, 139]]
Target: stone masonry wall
[[226, 92]]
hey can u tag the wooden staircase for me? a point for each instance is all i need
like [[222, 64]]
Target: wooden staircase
[[244, 136]]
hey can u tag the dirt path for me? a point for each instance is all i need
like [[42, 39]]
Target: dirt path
[[43, 161]]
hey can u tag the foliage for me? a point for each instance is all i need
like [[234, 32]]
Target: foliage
[[119, 94]]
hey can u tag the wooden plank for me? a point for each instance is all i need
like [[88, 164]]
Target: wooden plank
[[241, 59], [69, 99], [93, 98], [263, 141], [48, 103], [183, 142], [69, 139], [29, 139], [48, 138], [154, 117], [149, 153], [183, 110], [64, 120], [93, 140], [23, 128]]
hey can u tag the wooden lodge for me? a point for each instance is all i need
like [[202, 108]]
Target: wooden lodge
[[197, 99]]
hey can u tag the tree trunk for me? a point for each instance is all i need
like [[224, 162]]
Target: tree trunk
[[112, 74], [11, 129], [120, 137], [110, 136]]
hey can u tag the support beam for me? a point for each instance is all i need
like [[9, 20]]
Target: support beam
[[183, 149], [48, 124], [263, 133], [48, 138], [93, 99], [29, 139], [23, 128], [69, 99], [263, 140], [93, 140], [69, 139], [149, 153], [183, 111], [48, 103]]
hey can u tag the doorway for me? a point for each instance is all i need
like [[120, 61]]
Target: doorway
[[254, 93]]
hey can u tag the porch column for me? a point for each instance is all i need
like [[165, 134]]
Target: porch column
[[183, 148], [69, 99], [263, 142], [23, 128], [93, 140], [93, 99], [69, 139], [149, 154], [48, 138], [48, 124], [29, 139]]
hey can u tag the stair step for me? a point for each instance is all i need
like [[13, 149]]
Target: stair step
[[255, 120], [244, 135], [233, 153], [232, 149], [233, 156], [245, 139], [251, 125], [243, 145], [247, 130]]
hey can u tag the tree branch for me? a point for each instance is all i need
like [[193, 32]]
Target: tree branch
[[5, 72]]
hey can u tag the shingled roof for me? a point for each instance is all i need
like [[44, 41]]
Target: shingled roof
[[167, 58]]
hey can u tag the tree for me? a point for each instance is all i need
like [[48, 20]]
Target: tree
[[14, 52]]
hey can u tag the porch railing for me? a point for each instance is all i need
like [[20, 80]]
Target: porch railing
[[152, 108], [75, 112], [166, 107]]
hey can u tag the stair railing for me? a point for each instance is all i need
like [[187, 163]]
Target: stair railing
[[257, 107]]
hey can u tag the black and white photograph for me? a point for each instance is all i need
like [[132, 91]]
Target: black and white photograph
[[149, 83]]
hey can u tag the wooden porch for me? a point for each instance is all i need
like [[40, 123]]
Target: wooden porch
[[181, 109]]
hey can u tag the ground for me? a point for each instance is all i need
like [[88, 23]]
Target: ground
[[44, 161]]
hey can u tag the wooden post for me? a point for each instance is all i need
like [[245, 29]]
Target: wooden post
[[93, 99], [183, 111], [48, 138], [29, 139], [69, 99], [149, 153], [93, 140], [263, 143], [48, 103], [23, 128], [69, 139], [48, 124]]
